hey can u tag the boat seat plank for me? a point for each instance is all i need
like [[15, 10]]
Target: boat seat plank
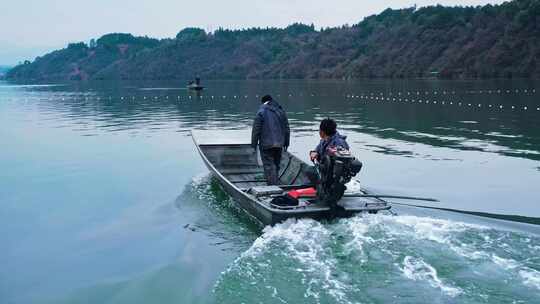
[[239, 171]]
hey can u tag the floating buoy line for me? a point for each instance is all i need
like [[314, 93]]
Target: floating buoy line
[[436, 97]]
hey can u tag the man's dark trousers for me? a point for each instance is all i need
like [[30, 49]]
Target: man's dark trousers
[[271, 158]]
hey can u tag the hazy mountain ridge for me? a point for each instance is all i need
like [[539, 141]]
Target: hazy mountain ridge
[[3, 70], [488, 41]]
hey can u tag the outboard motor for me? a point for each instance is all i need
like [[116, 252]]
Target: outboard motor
[[336, 169]]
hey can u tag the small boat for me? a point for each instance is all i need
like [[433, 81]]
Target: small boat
[[238, 170], [195, 87]]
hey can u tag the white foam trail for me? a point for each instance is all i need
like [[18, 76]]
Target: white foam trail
[[507, 264], [357, 228], [200, 179], [442, 232], [418, 270], [419, 228], [305, 241], [435, 229], [530, 277], [353, 186], [309, 243]]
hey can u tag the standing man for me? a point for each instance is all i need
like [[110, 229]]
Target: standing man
[[272, 134]]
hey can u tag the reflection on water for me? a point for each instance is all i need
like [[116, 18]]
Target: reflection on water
[[443, 114], [103, 178]]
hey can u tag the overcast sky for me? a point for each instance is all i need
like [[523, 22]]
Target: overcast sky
[[29, 28]]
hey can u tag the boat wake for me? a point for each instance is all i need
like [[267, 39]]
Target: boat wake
[[214, 213], [383, 258]]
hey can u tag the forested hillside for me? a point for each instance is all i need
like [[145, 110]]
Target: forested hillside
[[489, 41], [3, 70]]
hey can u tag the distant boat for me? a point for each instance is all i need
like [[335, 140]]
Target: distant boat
[[195, 85]]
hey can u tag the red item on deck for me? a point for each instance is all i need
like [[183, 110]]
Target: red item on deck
[[306, 192]]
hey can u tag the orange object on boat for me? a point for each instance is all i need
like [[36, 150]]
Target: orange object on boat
[[306, 192]]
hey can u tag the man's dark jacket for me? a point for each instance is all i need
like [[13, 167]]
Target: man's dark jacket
[[270, 127]]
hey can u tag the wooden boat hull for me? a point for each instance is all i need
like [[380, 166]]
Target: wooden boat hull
[[237, 169], [195, 88]]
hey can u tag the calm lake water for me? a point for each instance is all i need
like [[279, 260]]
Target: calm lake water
[[103, 198]]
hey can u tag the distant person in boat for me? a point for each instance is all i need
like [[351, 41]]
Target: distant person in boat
[[271, 134], [330, 138]]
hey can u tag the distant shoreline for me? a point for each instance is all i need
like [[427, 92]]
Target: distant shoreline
[[436, 42]]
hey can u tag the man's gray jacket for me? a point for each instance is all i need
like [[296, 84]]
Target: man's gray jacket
[[270, 127]]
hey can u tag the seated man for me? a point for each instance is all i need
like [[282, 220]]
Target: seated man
[[330, 138], [335, 167]]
